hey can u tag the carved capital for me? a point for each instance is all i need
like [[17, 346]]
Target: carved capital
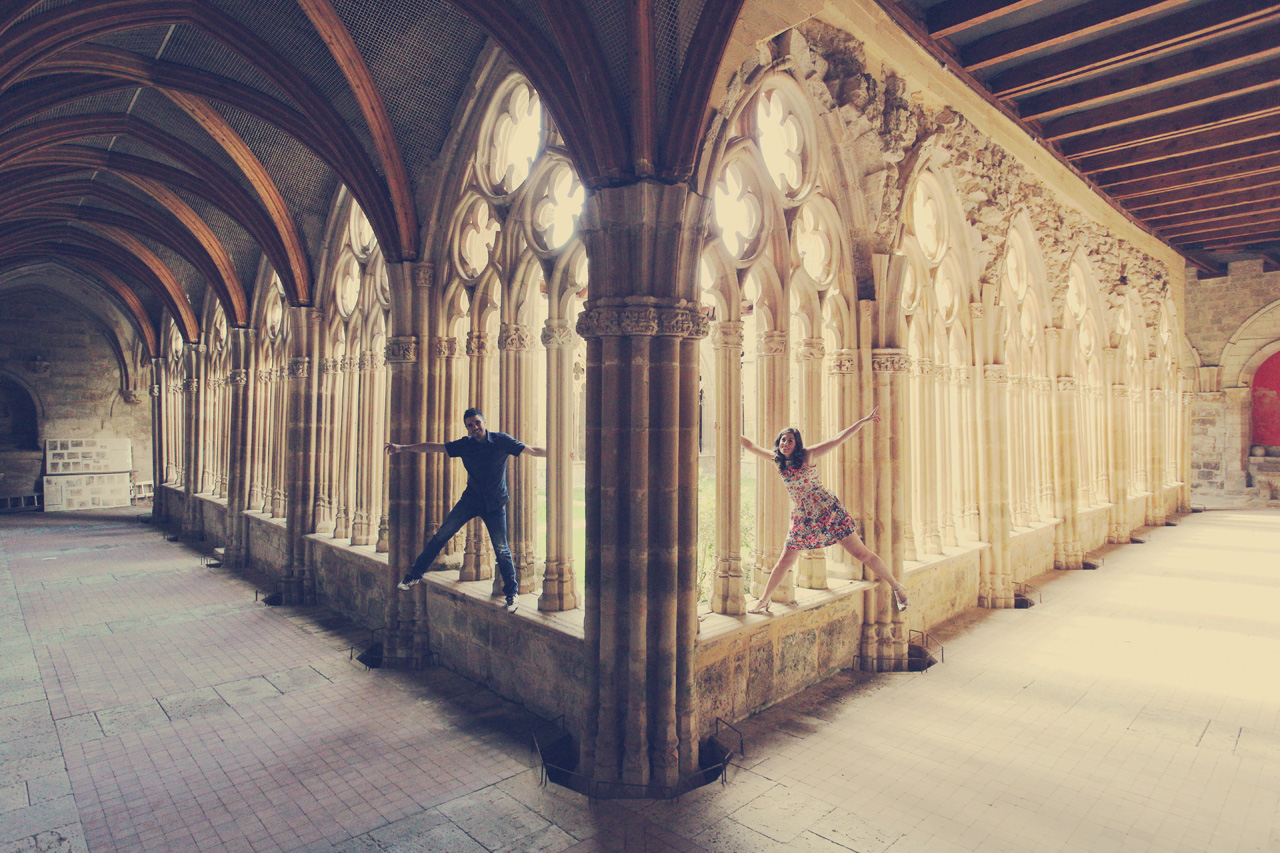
[[638, 320], [810, 349], [1067, 383], [962, 375], [477, 344], [890, 361], [401, 349], [190, 386], [238, 378], [977, 310], [729, 335], [299, 367], [556, 334], [1119, 391], [131, 396], [843, 362], [996, 372], [595, 322], [514, 337], [155, 390], [444, 347], [771, 343]]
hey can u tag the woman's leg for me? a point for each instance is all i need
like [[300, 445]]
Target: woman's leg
[[786, 560], [872, 561]]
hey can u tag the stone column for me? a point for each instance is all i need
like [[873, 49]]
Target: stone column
[[773, 402], [403, 489], [361, 523], [298, 587], [241, 344], [850, 393], [477, 556], [726, 590], [559, 586], [949, 427], [326, 442], [995, 588], [884, 642], [193, 388], [1068, 553], [811, 569], [517, 419], [1118, 531], [930, 460], [641, 481], [159, 437]]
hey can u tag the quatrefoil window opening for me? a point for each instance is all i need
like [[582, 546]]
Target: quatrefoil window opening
[[738, 211], [555, 215], [781, 141], [477, 236], [813, 245], [928, 221], [516, 140]]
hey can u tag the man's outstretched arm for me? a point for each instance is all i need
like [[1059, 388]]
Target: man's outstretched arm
[[421, 447]]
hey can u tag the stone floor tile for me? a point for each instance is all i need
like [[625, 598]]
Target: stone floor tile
[[78, 729], [193, 703], [130, 719], [298, 678], [253, 689]]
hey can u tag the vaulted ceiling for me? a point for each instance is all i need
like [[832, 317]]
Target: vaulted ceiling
[[1171, 108]]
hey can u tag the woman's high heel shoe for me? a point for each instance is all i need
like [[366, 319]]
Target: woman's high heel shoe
[[761, 608], [900, 599]]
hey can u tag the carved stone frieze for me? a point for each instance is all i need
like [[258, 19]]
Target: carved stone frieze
[[595, 322], [637, 320], [402, 349]]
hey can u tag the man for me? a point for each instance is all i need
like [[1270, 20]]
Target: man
[[485, 455]]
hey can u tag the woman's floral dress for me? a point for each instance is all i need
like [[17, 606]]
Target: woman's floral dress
[[817, 518]]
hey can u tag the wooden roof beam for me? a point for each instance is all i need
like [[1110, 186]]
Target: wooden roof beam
[[1180, 123], [1202, 148], [1250, 168], [1208, 202], [1236, 243], [1247, 225], [1060, 28], [1221, 56], [1145, 41], [1191, 219], [955, 16], [1216, 88]]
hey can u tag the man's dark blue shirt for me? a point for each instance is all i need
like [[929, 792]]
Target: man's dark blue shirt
[[486, 464]]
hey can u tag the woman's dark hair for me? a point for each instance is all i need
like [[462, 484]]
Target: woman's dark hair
[[797, 456]]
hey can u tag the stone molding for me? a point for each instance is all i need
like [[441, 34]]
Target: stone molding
[[401, 349]]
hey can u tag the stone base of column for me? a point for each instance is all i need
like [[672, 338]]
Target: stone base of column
[[558, 591]]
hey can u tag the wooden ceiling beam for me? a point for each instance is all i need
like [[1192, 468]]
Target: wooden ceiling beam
[[1246, 226], [1218, 114], [1270, 261], [1222, 215], [1250, 168], [1060, 28], [1210, 201], [1220, 56], [1237, 83], [955, 16], [1145, 41], [1203, 263], [1236, 243], [1221, 145]]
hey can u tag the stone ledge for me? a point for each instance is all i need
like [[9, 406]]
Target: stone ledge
[[364, 552], [570, 623]]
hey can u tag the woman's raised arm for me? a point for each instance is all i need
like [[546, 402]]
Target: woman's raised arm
[[843, 435], [748, 444]]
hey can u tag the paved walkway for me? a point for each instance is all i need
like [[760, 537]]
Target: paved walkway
[[150, 704]]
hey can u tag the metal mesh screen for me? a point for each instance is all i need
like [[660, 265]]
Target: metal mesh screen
[[194, 48], [108, 102], [144, 41], [609, 18], [421, 55]]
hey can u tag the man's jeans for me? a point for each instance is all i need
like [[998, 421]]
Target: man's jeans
[[463, 511]]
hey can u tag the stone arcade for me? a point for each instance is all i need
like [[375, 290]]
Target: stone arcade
[[336, 242]]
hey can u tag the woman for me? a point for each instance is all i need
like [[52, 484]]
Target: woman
[[817, 518]]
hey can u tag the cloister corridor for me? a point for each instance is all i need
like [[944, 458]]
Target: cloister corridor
[[151, 704]]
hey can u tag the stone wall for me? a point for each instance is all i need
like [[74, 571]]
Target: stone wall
[[350, 579], [1208, 433], [73, 372], [1217, 307]]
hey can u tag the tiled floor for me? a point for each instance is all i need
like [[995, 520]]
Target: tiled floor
[[150, 704]]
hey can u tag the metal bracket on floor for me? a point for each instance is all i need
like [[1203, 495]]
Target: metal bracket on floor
[[1029, 594], [927, 644]]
